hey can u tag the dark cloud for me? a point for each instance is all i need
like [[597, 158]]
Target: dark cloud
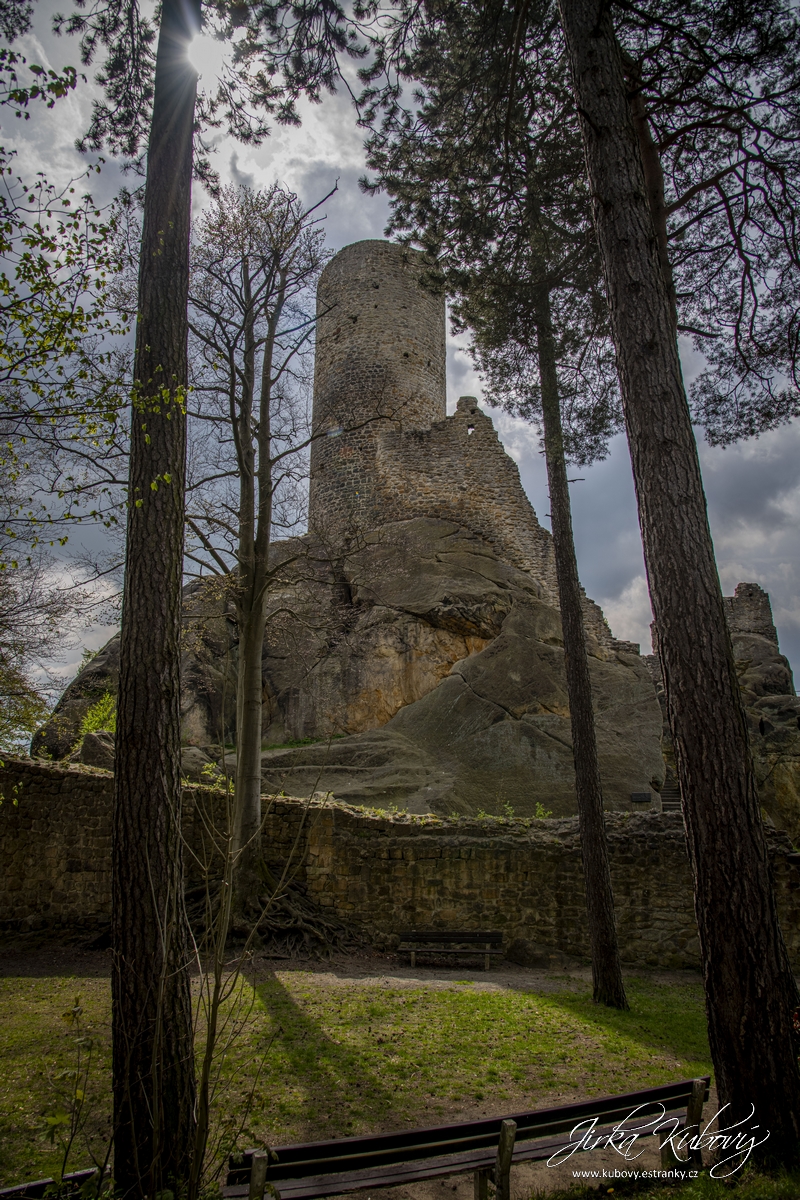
[[240, 178], [753, 489], [350, 214]]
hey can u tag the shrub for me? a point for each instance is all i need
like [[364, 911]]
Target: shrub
[[102, 715]]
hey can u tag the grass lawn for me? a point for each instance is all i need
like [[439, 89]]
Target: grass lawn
[[323, 1056]]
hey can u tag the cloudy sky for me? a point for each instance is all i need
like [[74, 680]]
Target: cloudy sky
[[753, 489]]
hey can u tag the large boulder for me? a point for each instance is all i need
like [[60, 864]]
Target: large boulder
[[771, 706], [494, 733], [208, 681], [97, 750], [418, 670], [57, 738]]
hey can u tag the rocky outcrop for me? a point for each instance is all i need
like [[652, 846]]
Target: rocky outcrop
[[208, 674], [494, 734], [772, 708], [419, 671]]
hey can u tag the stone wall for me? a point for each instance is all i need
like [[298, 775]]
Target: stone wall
[[458, 470], [379, 360], [748, 610], [379, 873]]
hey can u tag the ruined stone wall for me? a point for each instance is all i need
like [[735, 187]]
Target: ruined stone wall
[[381, 873], [55, 843], [380, 353], [459, 470], [748, 610]]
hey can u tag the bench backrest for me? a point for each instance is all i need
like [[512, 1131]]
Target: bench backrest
[[493, 936], [385, 1149]]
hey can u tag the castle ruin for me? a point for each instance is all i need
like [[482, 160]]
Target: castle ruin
[[390, 452], [417, 657]]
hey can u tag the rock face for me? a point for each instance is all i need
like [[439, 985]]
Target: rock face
[[467, 710], [429, 675], [208, 673], [773, 709], [771, 705]]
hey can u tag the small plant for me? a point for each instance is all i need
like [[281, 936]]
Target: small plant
[[68, 1122], [386, 813], [509, 811], [213, 777], [102, 715], [541, 813]]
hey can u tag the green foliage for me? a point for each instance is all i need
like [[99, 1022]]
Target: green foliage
[[62, 368], [215, 778], [541, 813], [501, 208], [23, 707], [307, 741], [34, 615], [102, 715]]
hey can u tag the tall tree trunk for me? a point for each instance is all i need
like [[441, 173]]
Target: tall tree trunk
[[249, 700], [750, 991], [606, 968], [153, 1056], [247, 785], [255, 529]]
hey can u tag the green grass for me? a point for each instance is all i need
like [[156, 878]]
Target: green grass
[[309, 741], [38, 1056], [321, 1059]]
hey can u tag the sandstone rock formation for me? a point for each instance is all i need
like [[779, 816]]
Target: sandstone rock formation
[[413, 654], [467, 707], [772, 707], [437, 684], [208, 675]]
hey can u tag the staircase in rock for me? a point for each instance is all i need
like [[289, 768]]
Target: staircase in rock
[[670, 795]]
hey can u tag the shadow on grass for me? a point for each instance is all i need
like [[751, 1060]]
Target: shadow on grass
[[331, 1089], [661, 1018]]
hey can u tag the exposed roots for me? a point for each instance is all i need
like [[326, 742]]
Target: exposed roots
[[292, 925], [285, 924]]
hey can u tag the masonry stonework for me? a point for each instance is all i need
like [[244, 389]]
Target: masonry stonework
[[389, 451], [749, 610], [380, 873], [379, 361]]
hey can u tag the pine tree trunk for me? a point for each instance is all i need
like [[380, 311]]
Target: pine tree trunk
[[606, 968], [153, 1055], [750, 990]]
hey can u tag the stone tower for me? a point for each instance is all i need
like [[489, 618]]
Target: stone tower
[[380, 365]]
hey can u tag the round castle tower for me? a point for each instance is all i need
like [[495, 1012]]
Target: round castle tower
[[380, 364]]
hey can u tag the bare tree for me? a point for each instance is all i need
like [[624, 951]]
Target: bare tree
[[255, 263]]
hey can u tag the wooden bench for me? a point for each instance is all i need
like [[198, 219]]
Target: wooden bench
[[486, 1148], [436, 941], [34, 1190]]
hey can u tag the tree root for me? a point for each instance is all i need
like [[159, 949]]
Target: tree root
[[285, 924]]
